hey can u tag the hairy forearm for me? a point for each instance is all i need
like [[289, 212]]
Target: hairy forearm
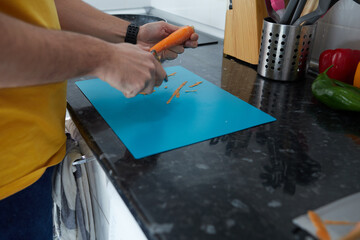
[[78, 16], [31, 55]]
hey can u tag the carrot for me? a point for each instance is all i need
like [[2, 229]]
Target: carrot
[[176, 38], [165, 87], [187, 91], [176, 92], [321, 231], [172, 74], [195, 84], [356, 82], [330, 222]]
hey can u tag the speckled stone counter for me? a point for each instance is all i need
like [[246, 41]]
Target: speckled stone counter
[[245, 185]]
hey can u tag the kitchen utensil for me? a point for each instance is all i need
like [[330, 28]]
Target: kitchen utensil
[[271, 11], [312, 17], [157, 57], [310, 6], [277, 4], [139, 20], [288, 12], [298, 11], [147, 125], [285, 50], [279, 7]]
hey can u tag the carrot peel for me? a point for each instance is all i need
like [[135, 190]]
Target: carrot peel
[[331, 222], [172, 74], [195, 84], [144, 93], [354, 234], [176, 92], [321, 231]]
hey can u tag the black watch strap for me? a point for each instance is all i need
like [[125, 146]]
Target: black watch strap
[[131, 33]]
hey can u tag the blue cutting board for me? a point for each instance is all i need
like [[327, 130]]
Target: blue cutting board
[[147, 125]]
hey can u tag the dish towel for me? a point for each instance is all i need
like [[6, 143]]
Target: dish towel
[[72, 209]]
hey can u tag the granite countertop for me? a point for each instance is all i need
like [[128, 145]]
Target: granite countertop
[[246, 185]]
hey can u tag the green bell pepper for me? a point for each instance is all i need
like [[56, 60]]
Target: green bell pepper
[[336, 94]]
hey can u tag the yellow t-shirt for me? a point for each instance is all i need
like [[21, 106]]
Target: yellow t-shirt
[[32, 134]]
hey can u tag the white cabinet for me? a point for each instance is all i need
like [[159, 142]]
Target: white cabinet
[[113, 220]]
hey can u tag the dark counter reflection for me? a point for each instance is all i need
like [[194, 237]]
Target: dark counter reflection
[[128, 169], [286, 169], [284, 142]]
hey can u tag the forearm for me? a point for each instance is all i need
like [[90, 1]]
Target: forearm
[[78, 16], [31, 55]]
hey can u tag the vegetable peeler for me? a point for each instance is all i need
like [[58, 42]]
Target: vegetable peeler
[[157, 57]]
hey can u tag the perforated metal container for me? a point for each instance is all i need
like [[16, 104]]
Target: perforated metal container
[[285, 50]]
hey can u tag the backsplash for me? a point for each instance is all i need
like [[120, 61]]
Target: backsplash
[[111, 5], [206, 15], [339, 28]]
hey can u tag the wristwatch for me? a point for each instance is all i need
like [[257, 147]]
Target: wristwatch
[[131, 33]]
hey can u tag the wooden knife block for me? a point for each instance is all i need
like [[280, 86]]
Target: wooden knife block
[[243, 29]]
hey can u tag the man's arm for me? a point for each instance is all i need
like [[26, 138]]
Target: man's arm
[[80, 17], [30, 55]]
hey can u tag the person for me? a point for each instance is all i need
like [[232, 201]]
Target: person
[[42, 44]]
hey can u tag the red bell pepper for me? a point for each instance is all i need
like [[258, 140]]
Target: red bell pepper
[[344, 61]]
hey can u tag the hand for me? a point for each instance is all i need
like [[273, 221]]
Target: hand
[[131, 69], [152, 33]]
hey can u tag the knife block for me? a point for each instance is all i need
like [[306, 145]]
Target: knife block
[[243, 29]]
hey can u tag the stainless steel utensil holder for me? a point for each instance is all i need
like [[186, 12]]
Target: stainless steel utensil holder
[[285, 50]]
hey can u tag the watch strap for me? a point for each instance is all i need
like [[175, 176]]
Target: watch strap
[[131, 33]]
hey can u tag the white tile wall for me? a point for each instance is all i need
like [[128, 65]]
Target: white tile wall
[[205, 15], [209, 12], [339, 28], [106, 5]]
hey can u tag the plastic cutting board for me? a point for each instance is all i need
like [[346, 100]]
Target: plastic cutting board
[[147, 125]]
